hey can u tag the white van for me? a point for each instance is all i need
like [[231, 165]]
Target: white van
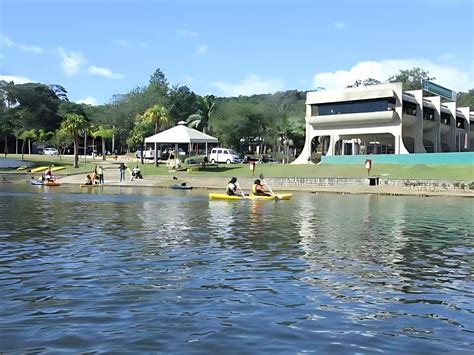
[[223, 155]]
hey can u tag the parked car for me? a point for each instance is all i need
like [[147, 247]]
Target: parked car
[[223, 155], [50, 151]]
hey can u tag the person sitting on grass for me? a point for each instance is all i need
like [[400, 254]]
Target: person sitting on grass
[[257, 188], [136, 173]]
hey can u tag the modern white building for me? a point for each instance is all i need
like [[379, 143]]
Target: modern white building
[[384, 119]]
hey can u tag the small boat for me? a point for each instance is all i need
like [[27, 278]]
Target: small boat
[[44, 183], [180, 187], [91, 185], [51, 183], [216, 196]]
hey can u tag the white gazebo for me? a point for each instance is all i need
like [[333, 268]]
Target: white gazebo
[[181, 134]]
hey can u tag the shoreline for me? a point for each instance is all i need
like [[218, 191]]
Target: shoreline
[[419, 189]]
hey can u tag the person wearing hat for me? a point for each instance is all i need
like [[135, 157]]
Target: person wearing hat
[[257, 188], [232, 187]]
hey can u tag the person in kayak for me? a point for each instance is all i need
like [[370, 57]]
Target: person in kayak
[[48, 175], [232, 187], [257, 188]]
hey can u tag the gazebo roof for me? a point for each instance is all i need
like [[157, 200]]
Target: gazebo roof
[[181, 134]]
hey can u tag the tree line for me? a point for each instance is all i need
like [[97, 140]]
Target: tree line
[[44, 114]]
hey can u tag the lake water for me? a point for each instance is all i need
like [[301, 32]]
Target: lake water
[[155, 270]]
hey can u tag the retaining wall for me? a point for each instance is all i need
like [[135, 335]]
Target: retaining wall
[[465, 158]]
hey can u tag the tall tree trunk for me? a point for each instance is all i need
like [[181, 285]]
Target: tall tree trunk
[[76, 151], [22, 149], [5, 149], [16, 145], [29, 147], [104, 152]]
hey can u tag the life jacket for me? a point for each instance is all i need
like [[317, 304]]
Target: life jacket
[[254, 189]]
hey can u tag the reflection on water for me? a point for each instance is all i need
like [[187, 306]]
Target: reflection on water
[[123, 269]]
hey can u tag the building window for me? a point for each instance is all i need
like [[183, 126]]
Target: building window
[[428, 114], [409, 108], [347, 107], [445, 118], [460, 122]]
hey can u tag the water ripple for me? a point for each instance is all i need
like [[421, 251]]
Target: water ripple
[[170, 272]]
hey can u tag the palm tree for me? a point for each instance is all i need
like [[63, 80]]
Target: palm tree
[[27, 136], [73, 124], [158, 115], [104, 133], [200, 119]]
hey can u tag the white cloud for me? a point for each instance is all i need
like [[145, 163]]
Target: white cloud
[[446, 75], [104, 72], [338, 25], [34, 49], [127, 44], [251, 84], [201, 49], [186, 33], [89, 100], [71, 61], [188, 79], [16, 79], [7, 42], [123, 43]]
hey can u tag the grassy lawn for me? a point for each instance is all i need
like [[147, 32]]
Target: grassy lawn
[[389, 171]]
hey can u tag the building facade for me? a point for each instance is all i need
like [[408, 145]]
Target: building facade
[[384, 119]]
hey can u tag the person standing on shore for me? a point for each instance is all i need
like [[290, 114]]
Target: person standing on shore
[[101, 174], [122, 169]]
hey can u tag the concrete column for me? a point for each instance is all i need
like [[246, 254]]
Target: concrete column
[[433, 134]]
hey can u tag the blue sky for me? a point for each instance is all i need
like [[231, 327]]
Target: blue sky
[[100, 48]]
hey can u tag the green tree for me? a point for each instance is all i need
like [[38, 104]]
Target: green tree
[[73, 124], [61, 140], [158, 115], [466, 99], [201, 119], [27, 136], [411, 78], [158, 84], [182, 102], [140, 130], [43, 136], [104, 133]]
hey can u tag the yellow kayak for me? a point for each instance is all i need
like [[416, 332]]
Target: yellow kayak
[[216, 196], [41, 168]]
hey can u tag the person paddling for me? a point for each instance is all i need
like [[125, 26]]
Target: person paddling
[[257, 188], [232, 187]]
